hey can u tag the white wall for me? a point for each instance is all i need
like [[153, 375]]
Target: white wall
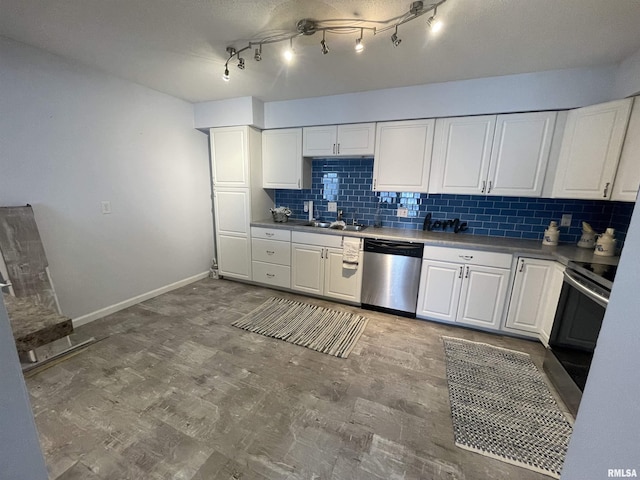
[[607, 429], [628, 77], [71, 137], [20, 454]]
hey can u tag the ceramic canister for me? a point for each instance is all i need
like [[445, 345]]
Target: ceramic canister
[[606, 244], [551, 234]]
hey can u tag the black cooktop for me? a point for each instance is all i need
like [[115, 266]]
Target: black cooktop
[[598, 272]]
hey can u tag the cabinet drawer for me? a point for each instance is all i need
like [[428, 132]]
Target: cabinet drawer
[[270, 274], [471, 257], [271, 233], [271, 251], [317, 239]]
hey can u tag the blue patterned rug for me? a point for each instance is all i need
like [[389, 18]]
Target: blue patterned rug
[[502, 408]]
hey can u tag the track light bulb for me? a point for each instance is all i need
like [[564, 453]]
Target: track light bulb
[[325, 49], [435, 25], [289, 53], [258, 55], [241, 63], [359, 45], [394, 38], [225, 76]]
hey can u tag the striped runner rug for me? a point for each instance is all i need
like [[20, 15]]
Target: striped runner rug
[[502, 408], [321, 329]]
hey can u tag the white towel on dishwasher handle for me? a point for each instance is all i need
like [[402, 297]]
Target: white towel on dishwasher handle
[[350, 252]]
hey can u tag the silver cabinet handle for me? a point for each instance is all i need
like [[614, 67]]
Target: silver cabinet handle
[[298, 183], [521, 265], [466, 257], [269, 234], [461, 270], [606, 189], [467, 275], [322, 253], [374, 183], [270, 275], [338, 149], [334, 148], [270, 252], [484, 186], [490, 185]]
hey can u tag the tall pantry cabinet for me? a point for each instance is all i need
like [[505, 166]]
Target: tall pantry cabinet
[[238, 196]]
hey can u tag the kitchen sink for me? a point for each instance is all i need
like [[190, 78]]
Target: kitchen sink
[[318, 224], [354, 228]]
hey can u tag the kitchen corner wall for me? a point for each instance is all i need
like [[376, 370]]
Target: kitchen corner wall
[[349, 181]]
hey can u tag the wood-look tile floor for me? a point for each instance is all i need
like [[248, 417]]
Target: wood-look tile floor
[[175, 392]]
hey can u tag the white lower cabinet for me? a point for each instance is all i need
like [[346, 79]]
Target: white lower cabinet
[[534, 298], [234, 255], [317, 269], [464, 286]]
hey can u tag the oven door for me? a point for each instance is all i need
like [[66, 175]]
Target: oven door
[[577, 325]]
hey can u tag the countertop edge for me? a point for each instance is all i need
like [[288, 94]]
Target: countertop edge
[[562, 253]]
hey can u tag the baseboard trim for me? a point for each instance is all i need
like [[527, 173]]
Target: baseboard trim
[[103, 312]]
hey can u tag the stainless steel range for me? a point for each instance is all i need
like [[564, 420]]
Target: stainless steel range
[[583, 301]]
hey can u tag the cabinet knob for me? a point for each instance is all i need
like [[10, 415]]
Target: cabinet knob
[[606, 190]]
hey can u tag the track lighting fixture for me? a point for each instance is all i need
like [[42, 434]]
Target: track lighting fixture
[[359, 45], [394, 38], [325, 49], [308, 26], [435, 25]]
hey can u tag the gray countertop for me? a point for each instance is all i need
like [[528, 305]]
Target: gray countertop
[[519, 247]]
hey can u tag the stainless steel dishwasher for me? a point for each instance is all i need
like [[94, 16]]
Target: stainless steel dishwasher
[[391, 275]]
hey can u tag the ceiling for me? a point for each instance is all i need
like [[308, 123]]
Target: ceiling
[[178, 46]]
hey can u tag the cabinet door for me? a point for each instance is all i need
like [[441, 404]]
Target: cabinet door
[[591, 149], [307, 268], [229, 156], [439, 294], [234, 256], [554, 288], [319, 141], [527, 308], [520, 154], [282, 163], [483, 296], [403, 156], [627, 182], [341, 283], [461, 154], [233, 248], [231, 207], [357, 139]]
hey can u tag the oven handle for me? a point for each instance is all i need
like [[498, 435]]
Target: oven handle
[[599, 299]]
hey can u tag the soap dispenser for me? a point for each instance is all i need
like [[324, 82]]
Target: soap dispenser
[[551, 234]]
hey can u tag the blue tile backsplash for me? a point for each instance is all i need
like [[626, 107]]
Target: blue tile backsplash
[[349, 181]]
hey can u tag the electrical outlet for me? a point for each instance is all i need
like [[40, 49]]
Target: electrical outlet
[[566, 220], [306, 207], [106, 207], [332, 207], [403, 212]]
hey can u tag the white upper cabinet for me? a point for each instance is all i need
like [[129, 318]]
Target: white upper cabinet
[[492, 155], [282, 163], [627, 182], [461, 154], [402, 160], [230, 157], [520, 154], [339, 140], [590, 151]]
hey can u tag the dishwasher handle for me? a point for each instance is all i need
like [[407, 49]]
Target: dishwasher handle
[[392, 247]]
